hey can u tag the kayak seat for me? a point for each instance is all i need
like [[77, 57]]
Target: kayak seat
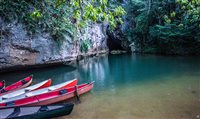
[[14, 114], [4, 98], [3, 91], [51, 88], [24, 81], [43, 109], [26, 90], [26, 95], [10, 104], [64, 91], [29, 94]]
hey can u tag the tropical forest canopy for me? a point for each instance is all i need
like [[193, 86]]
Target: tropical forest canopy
[[58, 16], [164, 25]]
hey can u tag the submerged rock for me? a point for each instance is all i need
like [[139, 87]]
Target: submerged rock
[[118, 52], [193, 91]]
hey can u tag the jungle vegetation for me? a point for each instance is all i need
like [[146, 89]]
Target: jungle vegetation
[[59, 16], [163, 26]]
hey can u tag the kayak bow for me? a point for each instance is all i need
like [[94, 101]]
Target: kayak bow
[[40, 85], [18, 85]]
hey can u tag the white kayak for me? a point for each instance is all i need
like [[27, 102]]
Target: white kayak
[[44, 90], [40, 85]]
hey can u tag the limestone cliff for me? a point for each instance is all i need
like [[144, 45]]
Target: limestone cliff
[[18, 49]]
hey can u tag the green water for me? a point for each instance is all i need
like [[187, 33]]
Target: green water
[[130, 86]]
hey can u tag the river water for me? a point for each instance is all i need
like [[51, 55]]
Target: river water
[[130, 86]]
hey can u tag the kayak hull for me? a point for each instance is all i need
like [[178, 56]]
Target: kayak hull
[[45, 85], [37, 112], [23, 86], [17, 86], [63, 97], [50, 97], [2, 84]]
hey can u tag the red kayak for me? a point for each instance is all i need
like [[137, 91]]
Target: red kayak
[[20, 94], [2, 84], [51, 97], [14, 94], [18, 85]]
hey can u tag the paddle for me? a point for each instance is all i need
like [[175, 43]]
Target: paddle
[[77, 95]]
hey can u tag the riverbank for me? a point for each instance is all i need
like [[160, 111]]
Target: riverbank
[[55, 62]]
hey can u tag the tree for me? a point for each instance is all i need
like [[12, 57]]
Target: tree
[[181, 22], [163, 25], [58, 16]]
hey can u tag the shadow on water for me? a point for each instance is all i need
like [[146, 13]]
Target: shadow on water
[[57, 73]]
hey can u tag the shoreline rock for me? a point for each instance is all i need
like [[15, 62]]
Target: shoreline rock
[[118, 52], [57, 62]]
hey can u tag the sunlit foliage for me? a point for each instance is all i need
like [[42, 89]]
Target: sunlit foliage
[[58, 16]]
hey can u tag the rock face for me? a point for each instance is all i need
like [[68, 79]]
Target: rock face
[[18, 49]]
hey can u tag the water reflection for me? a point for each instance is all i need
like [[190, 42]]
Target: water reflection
[[58, 74], [94, 69]]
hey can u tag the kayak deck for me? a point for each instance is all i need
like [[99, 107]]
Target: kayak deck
[[40, 85]]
